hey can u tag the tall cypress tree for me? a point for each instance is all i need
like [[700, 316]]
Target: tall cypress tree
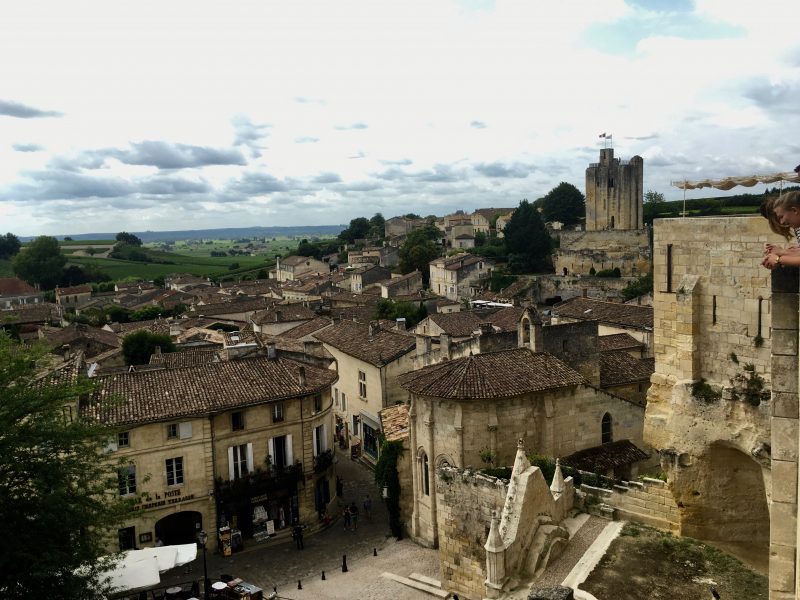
[[527, 241]]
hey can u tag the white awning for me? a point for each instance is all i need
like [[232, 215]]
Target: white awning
[[138, 569], [727, 183]]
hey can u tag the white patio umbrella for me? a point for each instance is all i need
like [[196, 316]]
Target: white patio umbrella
[[139, 569]]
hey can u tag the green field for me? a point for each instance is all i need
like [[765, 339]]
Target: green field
[[5, 269], [213, 267]]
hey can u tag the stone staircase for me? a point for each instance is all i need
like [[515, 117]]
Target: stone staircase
[[421, 583]]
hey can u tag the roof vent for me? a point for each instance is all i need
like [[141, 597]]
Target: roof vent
[[271, 351], [301, 376]]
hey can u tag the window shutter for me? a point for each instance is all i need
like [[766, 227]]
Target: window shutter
[[289, 451], [185, 430], [315, 445], [324, 438], [230, 464], [250, 465]]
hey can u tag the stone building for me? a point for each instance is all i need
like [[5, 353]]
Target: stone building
[[73, 298], [614, 236], [291, 267], [404, 285], [186, 434], [481, 405], [459, 277], [14, 291], [730, 452]]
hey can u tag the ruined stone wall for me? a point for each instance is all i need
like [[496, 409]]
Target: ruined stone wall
[[581, 250], [576, 345], [648, 502], [600, 288]]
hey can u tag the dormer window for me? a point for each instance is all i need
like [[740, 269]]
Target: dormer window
[[237, 421]]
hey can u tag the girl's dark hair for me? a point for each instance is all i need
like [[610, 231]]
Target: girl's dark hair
[[767, 210]]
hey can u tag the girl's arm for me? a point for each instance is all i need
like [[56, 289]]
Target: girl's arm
[[789, 260]]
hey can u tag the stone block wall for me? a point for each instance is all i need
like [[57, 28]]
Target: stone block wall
[[648, 502], [628, 250], [465, 502], [571, 286]]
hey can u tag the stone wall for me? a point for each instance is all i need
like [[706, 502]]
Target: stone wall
[[575, 344], [648, 502], [465, 501], [580, 251], [601, 288]]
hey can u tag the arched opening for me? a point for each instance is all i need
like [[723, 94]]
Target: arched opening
[[724, 502], [424, 472], [179, 528], [606, 433], [526, 331], [612, 221]]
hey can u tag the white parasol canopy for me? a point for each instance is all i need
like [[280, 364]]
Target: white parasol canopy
[[727, 183], [141, 568]]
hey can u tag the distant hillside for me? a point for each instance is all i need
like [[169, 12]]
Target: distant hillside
[[227, 233]]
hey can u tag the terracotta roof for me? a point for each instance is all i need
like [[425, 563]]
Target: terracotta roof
[[154, 325], [31, 313], [619, 368], [76, 331], [13, 286], [454, 263], [296, 260], [185, 358], [358, 313], [353, 338], [76, 289], [506, 319], [394, 422], [283, 313], [403, 279], [458, 324], [618, 341], [606, 457], [164, 394], [234, 306], [307, 328], [615, 313], [492, 375]]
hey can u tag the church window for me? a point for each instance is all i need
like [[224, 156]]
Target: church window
[[606, 435], [760, 302], [669, 268]]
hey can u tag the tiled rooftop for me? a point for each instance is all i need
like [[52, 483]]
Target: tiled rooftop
[[600, 459], [458, 324], [354, 339], [619, 368], [613, 313], [394, 422], [165, 394], [13, 286], [307, 328], [493, 375], [283, 313], [185, 358], [618, 341]]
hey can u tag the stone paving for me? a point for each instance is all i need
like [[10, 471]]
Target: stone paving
[[280, 564]]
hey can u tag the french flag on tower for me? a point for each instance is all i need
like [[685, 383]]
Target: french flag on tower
[[607, 136]]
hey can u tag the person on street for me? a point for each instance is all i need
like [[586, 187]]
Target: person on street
[[354, 515], [346, 517], [297, 534], [367, 505]]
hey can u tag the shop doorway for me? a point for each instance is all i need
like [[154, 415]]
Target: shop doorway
[[179, 528], [127, 538]]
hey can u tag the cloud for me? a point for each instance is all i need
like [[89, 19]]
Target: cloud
[[307, 100], [477, 124], [27, 147], [400, 162], [358, 125], [248, 133], [439, 174], [10, 108], [773, 97], [652, 136], [170, 186], [497, 169], [327, 178], [357, 155], [66, 185], [165, 155], [306, 139], [256, 184]]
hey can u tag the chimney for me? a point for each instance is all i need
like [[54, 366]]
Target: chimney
[[486, 329], [301, 376], [401, 323], [374, 328], [423, 344], [444, 345], [271, 350]]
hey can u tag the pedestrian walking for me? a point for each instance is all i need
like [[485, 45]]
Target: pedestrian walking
[[339, 487], [367, 505], [354, 515], [346, 516], [297, 534]]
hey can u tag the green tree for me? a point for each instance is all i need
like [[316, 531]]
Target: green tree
[[9, 245], [40, 262], [359, 228], [389, 309], [419, 249], [128, 238], [138, 346], [651, 197], [146, 313], [57, 488], [527, 241], [563, 203], [376, 225]]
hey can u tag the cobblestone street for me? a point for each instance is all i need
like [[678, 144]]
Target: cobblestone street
[[280, 564]]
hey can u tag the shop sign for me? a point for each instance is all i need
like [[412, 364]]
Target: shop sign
[[164, 499]]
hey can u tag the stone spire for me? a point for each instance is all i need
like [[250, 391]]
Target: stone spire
[[557, 487], [521, 461], [495, 560]]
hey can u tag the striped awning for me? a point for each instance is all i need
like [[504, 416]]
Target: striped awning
[[727, 183]]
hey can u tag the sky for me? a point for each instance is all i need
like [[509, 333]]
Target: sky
[[171, 114]]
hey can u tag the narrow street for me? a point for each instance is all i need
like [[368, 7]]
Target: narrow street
[[280, 563]]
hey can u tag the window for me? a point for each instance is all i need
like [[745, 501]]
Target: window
[[127, 480], [344, 402], [426, 488], [172, 431], [563, 345], [355, 425], [277, 412], [320, 440], [175, 471], [713, 310], [370, 441], [606, 433], [336, 396], [280, 452], [362, 384], [237, 421], [123, 439], [240, 458], [669, 267], [317, 402]]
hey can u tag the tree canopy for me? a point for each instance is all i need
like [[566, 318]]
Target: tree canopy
[[651, 197], [57, 489], [40, 262], [9, 245], [128, 238], [527, 241], [419, 249], [140, 345], [564, 203], [358, 229]]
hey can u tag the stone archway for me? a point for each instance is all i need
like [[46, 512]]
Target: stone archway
[[723, 500], [180, 527]]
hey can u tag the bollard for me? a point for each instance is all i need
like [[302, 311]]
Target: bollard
[[323, 576], [299, 585], [374, 552], [344, 563]]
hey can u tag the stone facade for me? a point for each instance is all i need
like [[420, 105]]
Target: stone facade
[[614, 193], [580, 251], [459, 277], [712, 318], [648, 502], [547, 288]]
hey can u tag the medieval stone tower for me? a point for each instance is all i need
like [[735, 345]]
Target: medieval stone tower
[[614, 193]]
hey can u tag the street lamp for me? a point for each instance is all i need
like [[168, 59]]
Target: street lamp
[[202, 538]]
